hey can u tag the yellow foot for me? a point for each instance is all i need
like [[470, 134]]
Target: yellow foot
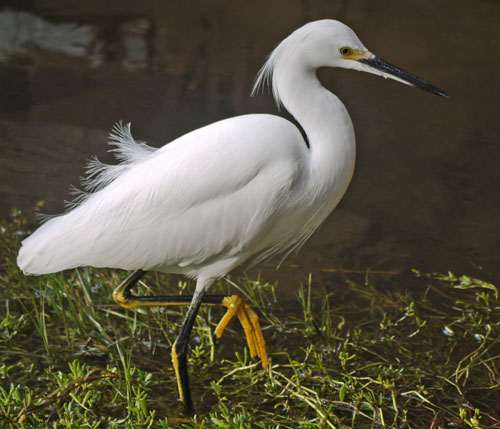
[[250, 322]]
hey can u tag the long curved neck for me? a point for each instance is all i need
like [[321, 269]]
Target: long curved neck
[[326, 123]]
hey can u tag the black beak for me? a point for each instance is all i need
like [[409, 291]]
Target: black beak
[[402, 75]]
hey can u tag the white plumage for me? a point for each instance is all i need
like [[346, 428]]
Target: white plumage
[[244, 188]]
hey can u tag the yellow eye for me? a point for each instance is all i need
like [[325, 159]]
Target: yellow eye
[[345, 51]]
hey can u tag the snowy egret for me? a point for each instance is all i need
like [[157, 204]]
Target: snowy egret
[[242, 189]]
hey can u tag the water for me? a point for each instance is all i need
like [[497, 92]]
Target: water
[[425, 193]]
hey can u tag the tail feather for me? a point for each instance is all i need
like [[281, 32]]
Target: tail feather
[[36, 255], [53, 247]]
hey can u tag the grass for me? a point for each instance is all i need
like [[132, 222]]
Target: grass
[[352, 356]]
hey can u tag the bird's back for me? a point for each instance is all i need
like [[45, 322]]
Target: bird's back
[[213, 195]]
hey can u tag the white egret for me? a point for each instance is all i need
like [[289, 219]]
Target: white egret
[[241, 189]]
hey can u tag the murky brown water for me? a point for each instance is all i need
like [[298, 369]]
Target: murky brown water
[[425, 192]]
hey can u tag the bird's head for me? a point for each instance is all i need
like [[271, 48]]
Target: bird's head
[[330, 43]]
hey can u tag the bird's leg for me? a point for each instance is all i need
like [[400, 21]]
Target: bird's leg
[[123, 296], [180, 349], [235, 307]]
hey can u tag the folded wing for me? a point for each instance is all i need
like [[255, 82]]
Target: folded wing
[[214, 192]]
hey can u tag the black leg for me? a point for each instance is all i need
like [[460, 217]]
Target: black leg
[[235, 307], [180, 350], [123, 295]]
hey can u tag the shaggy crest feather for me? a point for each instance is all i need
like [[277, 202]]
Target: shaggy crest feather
[[266, 77]]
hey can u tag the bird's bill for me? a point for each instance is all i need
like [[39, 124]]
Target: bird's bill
[[383, 68]]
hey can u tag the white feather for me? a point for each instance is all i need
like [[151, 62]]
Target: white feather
[[176, 206]]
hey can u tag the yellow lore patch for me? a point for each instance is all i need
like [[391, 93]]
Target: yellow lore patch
[[354, 54]]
